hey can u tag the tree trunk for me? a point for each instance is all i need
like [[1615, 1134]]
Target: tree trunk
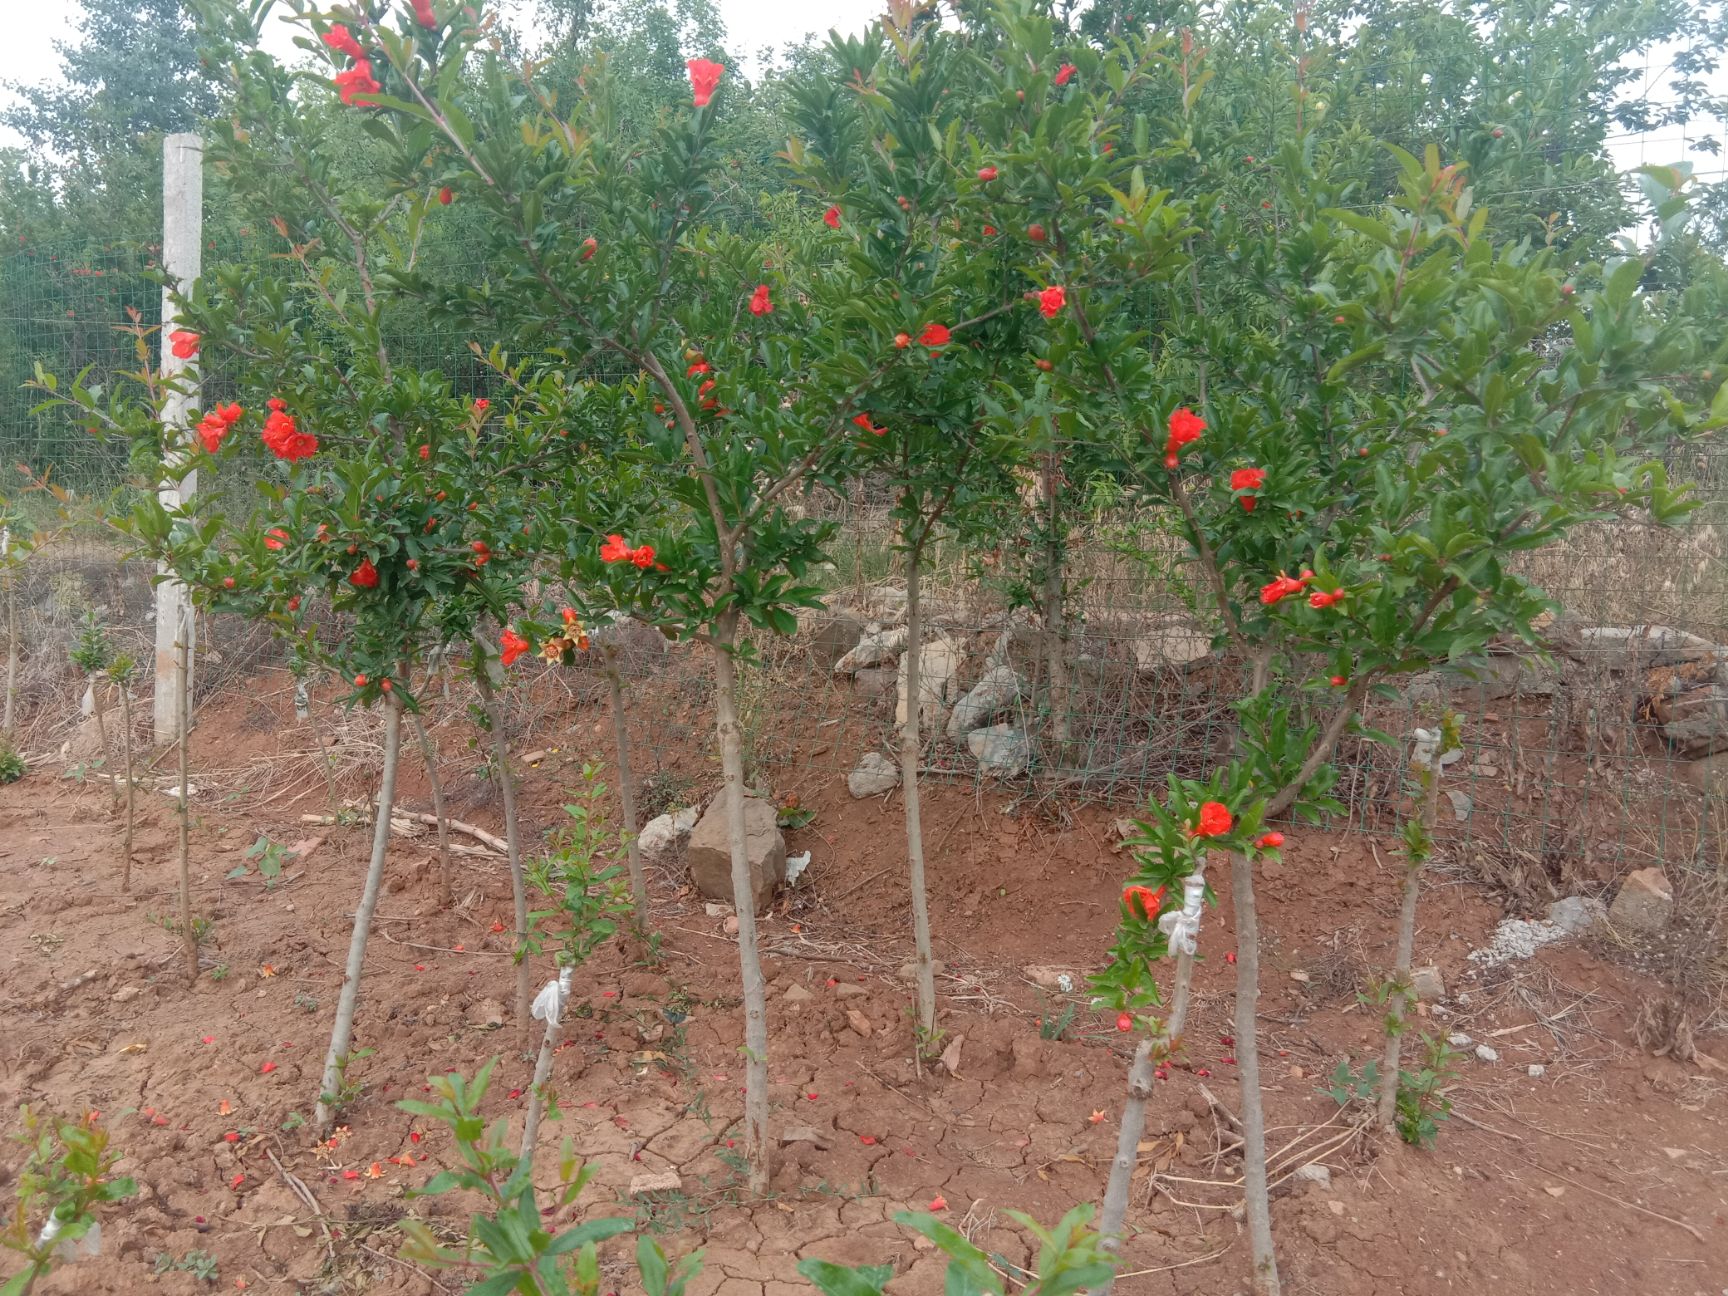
[[429, 753], [512, 839], [1387, 1114], [102, 737], [543, 1068], [1257, 1205], [183, 726], [1113, 1219], [335, 1061], [1055, 615], [911, 749], [11, 650], [126, 748], [756, 1143], [627, 790]]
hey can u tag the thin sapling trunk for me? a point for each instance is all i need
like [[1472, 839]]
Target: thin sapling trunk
[[1055, 614], [11, 646], [330, 1089], [627, 790], [102, 737], [1257, 1204], [1416, 849], [512, 840], [548, 1007], [183, 731], [126, 750], [429, 753], [730, 736], [911, 749]]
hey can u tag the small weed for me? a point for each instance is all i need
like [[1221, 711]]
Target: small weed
[[306, 1002], [347, 1092], [267, 856], [202, 928], [1054, 1026], [12, 766], [1351, 1086], [200, 1264], [1422, 1102], [295, 1121], [219, 972]]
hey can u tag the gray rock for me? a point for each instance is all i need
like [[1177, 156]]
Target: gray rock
[[1052, 978], [1645, 902], [909, 971], [1691, 705], [848, 990], [1461, 804], [999, 689], [875, 775], [663, 837], [875, 681], [1535, 1070], [833, 636], [1170, 641], [1002, 750], [797, 994], [1315, 1173], [1458, 1039], [1623, 647], [874, 649], [939, 663], [710, 856], [487, 1014], [1427, 983], [1576, 914], [1486, 1054]]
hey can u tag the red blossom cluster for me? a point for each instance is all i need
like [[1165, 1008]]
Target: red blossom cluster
[[216, 424], [275, 538], [1065, 74], [340, 39], [183, 343], [759, 303], [1051, 300], [614, 550], [934, 336], [1283, 586], [863, 421], [365, 576], [511, 646], [831, 218], [423, 14], [286, 441], [1185, 429]]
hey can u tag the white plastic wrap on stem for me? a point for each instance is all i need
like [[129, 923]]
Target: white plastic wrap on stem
[[1182, 925], [1426, 753], [549, 1003], [548, 1007]]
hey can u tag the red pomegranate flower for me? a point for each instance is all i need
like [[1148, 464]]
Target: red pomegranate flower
[[1322, 599], [365, 576], [1185, 429], [704, 77], [1143, 901], [1270, 841], [589, 247], [356, 84], [511, 646], [446, 195], [1282, 587], [1065, 74], [340, 39], [1051, 300], [934, 336], [275, 538], [1124, 1022], [759, 303], [831, 218], [1248, 479], [613, 549], [284, 438], [1215, 820], [214, 425], [183, 343], [700, 367], [863, 421], [643, 556], [423, 14], [987, 174], [902, 341]]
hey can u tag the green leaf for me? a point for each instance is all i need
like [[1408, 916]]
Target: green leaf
[[842, 1280]]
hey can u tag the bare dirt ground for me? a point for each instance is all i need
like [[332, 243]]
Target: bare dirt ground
[[1608, 1172]]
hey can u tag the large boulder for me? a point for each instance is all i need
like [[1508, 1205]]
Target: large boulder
[[1645, 902], [1169, 641], [664, 836], [710, 852], [999, 689], [874, 648], [833, 636], [1002, 750], [938, 679], [1690, 702]]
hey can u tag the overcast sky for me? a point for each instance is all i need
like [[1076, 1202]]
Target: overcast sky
[[27, 54]]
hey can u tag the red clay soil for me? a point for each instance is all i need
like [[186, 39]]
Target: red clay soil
[[1606, 1173]]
